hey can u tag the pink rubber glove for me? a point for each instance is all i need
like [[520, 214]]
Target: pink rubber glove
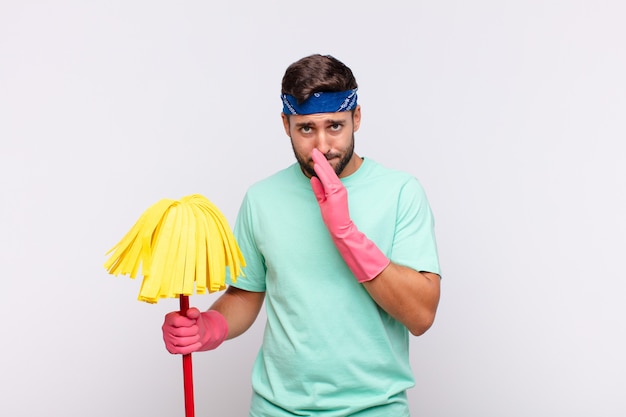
[[194, 332], [362, 256]]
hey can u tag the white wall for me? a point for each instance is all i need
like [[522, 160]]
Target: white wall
[[510, 113]]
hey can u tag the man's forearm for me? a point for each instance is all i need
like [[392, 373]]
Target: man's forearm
[[409, 296], [240, 308]]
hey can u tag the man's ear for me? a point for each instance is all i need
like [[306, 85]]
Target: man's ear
[[356, 118], [285, 123]]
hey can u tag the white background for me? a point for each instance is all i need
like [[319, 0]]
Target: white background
[[511, 114]]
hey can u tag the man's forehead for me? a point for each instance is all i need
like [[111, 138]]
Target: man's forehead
[[305, 119]]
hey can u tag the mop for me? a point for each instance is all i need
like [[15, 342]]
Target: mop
[[181, 247]]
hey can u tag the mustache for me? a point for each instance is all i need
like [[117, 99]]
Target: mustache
[[328, 156]]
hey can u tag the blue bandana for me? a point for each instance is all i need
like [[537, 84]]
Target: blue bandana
[[320, 103]]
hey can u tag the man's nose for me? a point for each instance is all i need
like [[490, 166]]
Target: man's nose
[[323, 142]]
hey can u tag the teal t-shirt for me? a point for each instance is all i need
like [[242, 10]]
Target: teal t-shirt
[[328, 349]]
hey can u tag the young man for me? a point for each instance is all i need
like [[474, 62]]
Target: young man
[[342, 251]]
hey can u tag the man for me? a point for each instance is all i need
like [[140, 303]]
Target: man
[[342, 251]]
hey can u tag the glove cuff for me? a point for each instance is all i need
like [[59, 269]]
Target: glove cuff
[[361, 255], [216, 330]]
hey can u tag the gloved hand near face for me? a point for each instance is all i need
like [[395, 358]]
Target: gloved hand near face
[[362, 256]]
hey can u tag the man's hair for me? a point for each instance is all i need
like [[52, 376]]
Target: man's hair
[[317, 74]]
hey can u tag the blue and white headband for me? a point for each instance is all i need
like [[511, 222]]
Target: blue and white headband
[[320, 103]]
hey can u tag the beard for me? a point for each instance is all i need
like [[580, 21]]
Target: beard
[[307, 167]]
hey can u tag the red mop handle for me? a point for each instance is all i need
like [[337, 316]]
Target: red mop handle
[[187, 369]]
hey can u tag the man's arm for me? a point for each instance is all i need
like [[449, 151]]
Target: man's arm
[[240, 308], [232, 314], [409, 296]]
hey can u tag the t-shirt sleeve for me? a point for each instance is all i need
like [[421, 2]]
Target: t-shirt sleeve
[[414, 243], [254, 270]]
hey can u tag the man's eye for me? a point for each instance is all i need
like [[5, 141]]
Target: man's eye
[[305, 129], [335, 127]]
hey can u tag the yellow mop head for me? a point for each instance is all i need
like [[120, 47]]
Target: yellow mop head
[[178, 243]]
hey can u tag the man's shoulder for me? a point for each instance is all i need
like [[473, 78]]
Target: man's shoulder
[[374, 169], [278, 182]]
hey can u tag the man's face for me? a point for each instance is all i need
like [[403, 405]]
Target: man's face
[[331, 133]]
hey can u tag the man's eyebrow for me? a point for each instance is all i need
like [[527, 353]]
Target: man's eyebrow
[[336, 122], [328, 122]]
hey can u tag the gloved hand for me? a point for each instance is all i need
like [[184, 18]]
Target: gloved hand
[[362, 256], [194, 332]]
